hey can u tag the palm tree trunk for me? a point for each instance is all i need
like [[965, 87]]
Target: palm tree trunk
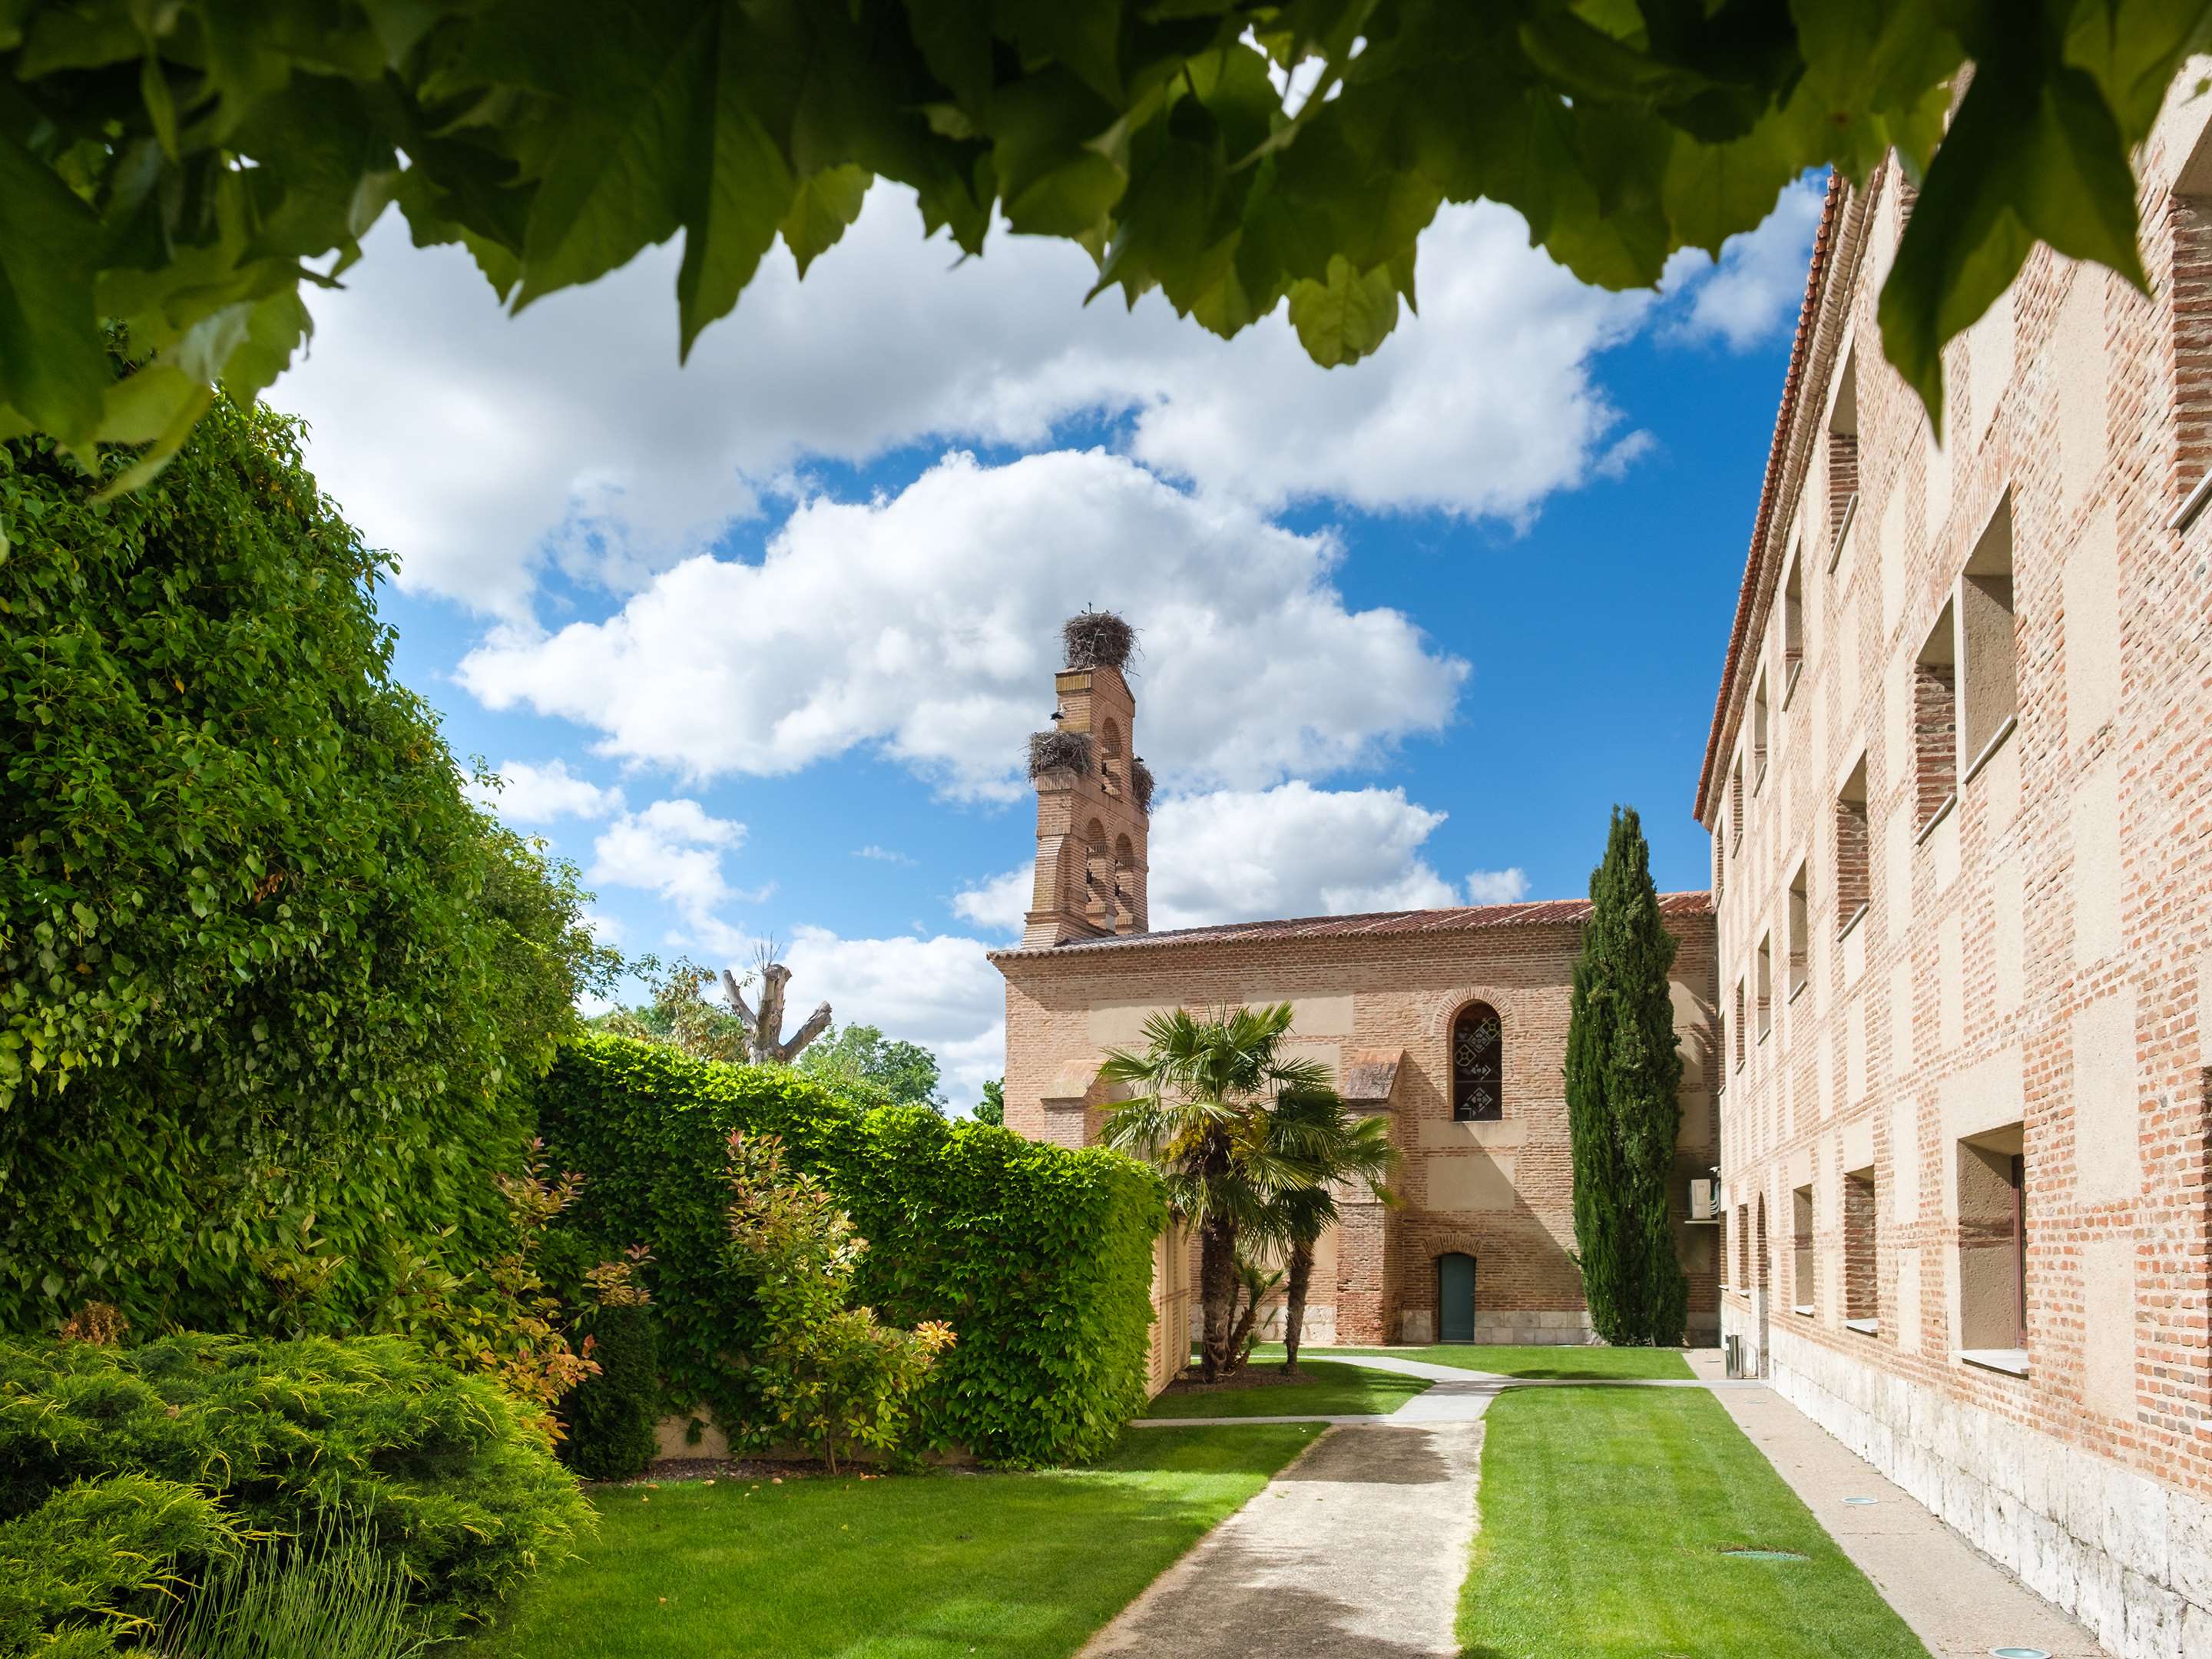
[[1294, 1303], [1217, 1292], [1240, 1335]]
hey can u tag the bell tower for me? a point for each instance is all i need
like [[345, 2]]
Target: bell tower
[[1094, 794]]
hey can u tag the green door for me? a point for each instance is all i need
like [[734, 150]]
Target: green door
[[1454, 1298]]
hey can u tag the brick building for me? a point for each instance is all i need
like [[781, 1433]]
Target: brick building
[[1453, 1022], [1960, 784]]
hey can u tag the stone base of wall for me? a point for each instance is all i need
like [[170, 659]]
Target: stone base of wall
[[1319, 1330], [2127, 1556]]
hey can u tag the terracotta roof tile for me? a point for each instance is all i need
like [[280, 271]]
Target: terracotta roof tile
[[1545, 913], [1793, 383]]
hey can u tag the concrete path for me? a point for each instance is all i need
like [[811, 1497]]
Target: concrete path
[[1957, 1601], [1357, 1547]]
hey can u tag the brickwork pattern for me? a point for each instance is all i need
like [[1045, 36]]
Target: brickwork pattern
[[1501, 1192], [2034, 972]]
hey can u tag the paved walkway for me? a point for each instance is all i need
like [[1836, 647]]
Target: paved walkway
[[1957, 1601], [1361, 1545], [1357, 1547]]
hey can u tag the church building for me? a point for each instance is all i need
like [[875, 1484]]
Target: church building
[[1451, 1023]]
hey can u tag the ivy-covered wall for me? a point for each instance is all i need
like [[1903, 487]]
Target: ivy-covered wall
[[1039, 1257]]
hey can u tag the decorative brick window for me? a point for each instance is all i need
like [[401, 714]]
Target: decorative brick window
[[1743, 1247], [2188, 213], [1843, 457], [1801, 1250], [1934, 724], [1735, 1024], [1758, 734], [1860, 1282], [1793, 624], [1765, 986], [1478, 1062], [1796, 942], [1852, 882], [1735, 804], [1992, 1242], [1987, 651]]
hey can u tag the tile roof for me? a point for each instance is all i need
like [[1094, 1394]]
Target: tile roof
[[1793, 385], [1546, 913]]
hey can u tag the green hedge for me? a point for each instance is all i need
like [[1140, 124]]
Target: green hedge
[[1039, 1257], [435, 1468], [610, 1417]]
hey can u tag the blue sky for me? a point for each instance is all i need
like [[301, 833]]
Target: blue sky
[[756, 641]]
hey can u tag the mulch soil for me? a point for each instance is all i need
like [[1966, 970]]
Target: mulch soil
[[1267, 1374]]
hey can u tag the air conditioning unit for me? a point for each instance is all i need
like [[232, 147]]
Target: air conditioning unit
[[1704, 1200]]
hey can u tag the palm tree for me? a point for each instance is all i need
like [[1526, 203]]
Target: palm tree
[[1200, 1115], [1312, 1131]]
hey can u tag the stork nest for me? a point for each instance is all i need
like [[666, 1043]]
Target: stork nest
[[1097, 639], [1059, 752], [1140, 787]]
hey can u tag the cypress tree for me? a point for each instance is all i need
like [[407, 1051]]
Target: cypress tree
[[1622, 1073]]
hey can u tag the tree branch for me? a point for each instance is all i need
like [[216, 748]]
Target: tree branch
[[737, 997], [816, 1023]]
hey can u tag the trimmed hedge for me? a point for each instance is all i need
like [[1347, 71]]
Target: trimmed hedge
[[610, 1417], [1039, 1257], [434, 1467]]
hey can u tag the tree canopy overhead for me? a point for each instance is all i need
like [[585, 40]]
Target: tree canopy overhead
[[176, 167]]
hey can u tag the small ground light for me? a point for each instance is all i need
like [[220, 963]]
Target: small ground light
[[2018, 1653], [1858, 1501]]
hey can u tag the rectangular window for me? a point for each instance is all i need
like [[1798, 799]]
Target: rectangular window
[[1860, 1287], [1736, 805], [1843, 457], [2192, 219], [1765, 986], [1852, 879], [1934, 724], [1993, 1243], [1989, 670], [1799, 923], [1759, 735], [1793, 625], [1743, 1247], [1801, 1254], [1737, 1024]]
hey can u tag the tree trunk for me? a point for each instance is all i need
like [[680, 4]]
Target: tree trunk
[[1240, 1333], [1294, 1303], [1217, 1292]]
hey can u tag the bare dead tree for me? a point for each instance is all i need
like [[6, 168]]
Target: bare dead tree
[[768, 1045]]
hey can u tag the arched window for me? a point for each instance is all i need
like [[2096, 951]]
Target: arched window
[[1478, 1065], [1098, 873], [1111, 770], [1125, 893]]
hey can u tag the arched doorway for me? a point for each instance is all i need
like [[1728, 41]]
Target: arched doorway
[[1455, 1297]]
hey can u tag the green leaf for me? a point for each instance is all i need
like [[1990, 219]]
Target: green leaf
[[821, 207], [1341, 320], [745, 191], [2033, 153], [53, 364]]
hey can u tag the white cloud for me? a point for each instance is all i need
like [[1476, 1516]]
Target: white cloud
[[881, 854], [1760, 278], [1001, 903], [1252, 855], [924, 624], [1294, 850], [1508, 886], [673, 849], [940, 992], [481, 447], [529, 793]]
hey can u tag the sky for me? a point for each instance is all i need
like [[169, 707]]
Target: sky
[[756, 641]]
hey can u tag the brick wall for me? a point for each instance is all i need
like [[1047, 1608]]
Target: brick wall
[[1501, 1192], [2033, 975]]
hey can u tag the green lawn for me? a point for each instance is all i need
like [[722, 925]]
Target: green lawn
[[1604, 1515], [1535, 1362], [1000, 1566], [1325, 1389]]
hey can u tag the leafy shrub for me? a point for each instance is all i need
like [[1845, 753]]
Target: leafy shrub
[[267, 975], [612, 1416], [828, 1371], [1039, 1257], [76, 1569], [436, 1470], [330, 1597]]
